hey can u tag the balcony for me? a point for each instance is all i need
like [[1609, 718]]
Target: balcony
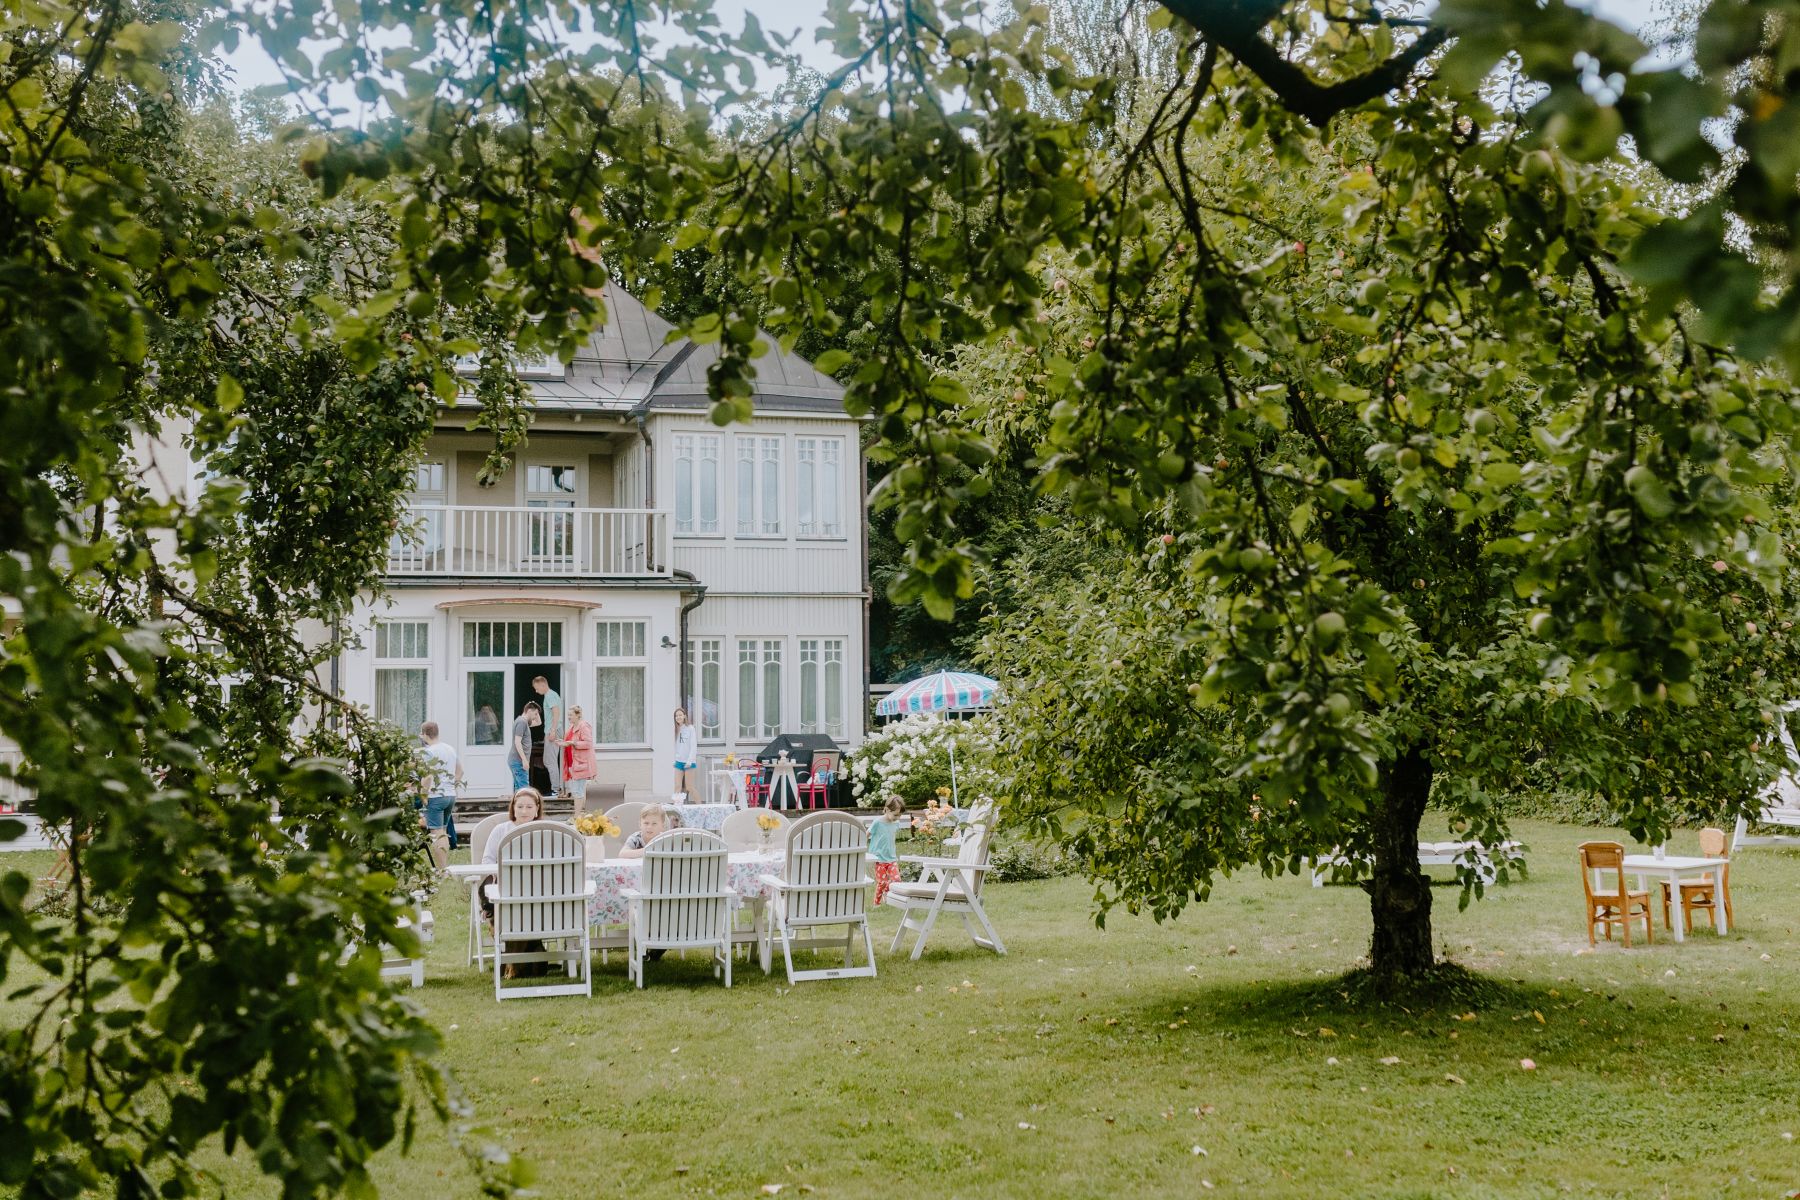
[[477, 541]]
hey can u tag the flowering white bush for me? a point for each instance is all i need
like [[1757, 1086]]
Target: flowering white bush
[[910, 758]]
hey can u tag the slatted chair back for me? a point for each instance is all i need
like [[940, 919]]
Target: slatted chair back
[[825, 871], [627, 817], [484, 829], [740, 830], [539, 883], [1597, 858], [684, 889], [978, 836]]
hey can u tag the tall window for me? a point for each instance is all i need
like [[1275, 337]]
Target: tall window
[[619, 683], [819, 484], [759, 486], [706, 672], [822, 686], [697, 483], [400, 689], [420, 539], [759, 687], [550, 536]]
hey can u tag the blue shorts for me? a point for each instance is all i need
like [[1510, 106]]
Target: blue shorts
[[437, 811]]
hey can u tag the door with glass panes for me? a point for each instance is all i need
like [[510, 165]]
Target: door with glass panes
[[499, 658]]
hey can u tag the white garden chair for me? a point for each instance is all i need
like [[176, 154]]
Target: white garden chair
[[540, 893], [478, 843], [823, 883], [741, 832], [949, 885], [1781, 799], [681, 901], [626, 817]]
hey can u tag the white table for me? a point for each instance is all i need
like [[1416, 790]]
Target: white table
[[473, 874], [1674, 870], [732, 782]]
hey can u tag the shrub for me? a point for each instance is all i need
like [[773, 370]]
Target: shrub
[[910, 758]]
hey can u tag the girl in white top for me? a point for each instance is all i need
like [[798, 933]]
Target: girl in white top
[[687, 758], [527, 804]]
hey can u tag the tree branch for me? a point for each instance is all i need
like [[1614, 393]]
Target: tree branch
[[1236, 25]]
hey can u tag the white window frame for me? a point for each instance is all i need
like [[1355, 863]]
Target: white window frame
[[763, 653], [707, 652], [702, 453], [402, 646], [756, 475], [819, 500], [624, 651], [550, 538], [815, 660]]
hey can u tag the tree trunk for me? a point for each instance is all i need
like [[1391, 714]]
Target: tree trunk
[[1399, 892]]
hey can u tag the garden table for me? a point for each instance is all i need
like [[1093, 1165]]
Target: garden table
[[733, 782], [1674, 870], [743, 874]]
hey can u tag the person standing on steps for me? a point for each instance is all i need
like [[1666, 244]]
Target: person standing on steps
[[687, 758], [518, 749], [553, 731]]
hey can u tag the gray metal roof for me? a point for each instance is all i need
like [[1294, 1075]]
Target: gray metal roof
[[621, 365]]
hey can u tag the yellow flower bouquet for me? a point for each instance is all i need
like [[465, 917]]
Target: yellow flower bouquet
[[768, 821], [597, 825]]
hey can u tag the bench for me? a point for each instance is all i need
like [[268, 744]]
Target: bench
[[1432, 854]]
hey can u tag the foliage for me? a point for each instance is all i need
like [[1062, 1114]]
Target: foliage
[[1015, 858], [910, 758]]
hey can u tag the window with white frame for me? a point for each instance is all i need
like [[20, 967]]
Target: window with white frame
[[822, 686], [706, 676], [620, 683], [421, 537], [551, 535], [697, 482], [402, 672], [512, 639], [758, 486], [759, 687], [819, 486]]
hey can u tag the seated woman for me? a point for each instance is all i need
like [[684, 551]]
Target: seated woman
[[653, 822], [526, 805]]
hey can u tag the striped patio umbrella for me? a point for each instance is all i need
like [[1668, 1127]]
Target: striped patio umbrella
[[946, 691]]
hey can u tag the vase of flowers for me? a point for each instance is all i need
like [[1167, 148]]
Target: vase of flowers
[[766, 825], [595, 828]]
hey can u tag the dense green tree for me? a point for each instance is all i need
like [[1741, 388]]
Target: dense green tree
[[1496, 438]]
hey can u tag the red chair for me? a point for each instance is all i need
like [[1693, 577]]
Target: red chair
[[816, 792], [756, 785]]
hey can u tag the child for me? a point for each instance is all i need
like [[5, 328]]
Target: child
[[653, 822], [881, 846]]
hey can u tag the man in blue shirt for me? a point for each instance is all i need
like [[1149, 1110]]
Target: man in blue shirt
[[553, 730]]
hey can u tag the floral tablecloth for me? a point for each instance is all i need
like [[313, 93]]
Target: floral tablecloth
[[613, 876], [704, 816]]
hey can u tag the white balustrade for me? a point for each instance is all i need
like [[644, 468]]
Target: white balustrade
[[562, 543]]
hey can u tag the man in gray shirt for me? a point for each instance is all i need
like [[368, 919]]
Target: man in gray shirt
[[518, 746]]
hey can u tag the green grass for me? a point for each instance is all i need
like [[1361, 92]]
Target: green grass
[[1091, 1063]]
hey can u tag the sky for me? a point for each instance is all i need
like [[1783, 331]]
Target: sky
[[254, 68]]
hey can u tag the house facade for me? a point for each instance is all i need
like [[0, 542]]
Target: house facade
[[636, 556]]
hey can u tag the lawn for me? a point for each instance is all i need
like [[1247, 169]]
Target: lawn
[[1214, 1054]]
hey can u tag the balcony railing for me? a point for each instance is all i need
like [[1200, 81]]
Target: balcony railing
[[561, 543]]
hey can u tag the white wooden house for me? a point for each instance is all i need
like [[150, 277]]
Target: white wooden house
[[637, 556]]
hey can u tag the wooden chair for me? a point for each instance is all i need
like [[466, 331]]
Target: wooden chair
[[681, 902], [478, 844], [815, 792], [540, 894], [950, 885], [824, 883], [1704, 893], [1612, 904]]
